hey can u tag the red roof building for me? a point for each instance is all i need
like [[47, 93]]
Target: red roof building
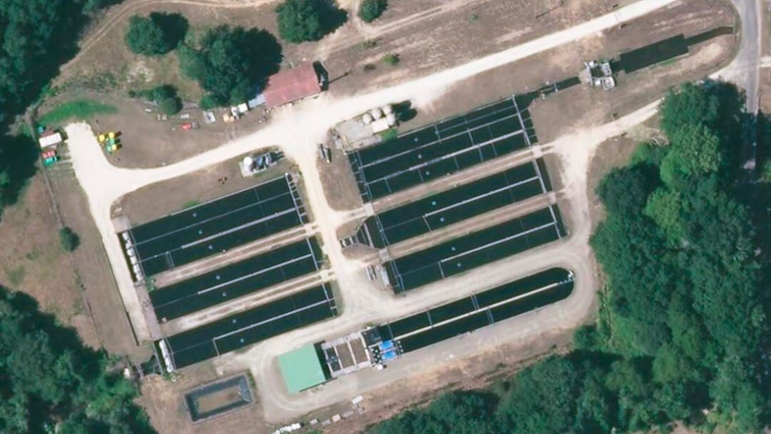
[[292, 85]]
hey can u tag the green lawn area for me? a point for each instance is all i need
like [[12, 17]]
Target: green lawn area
[[76, 110]]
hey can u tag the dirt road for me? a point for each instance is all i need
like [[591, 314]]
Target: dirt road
[[744, 71]]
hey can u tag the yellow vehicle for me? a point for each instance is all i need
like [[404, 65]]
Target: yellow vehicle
[[109, 141]]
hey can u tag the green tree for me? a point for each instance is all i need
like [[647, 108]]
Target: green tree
[[596, 406], [146, 37], [51, 382], [229, 64], [391, 59], [765, 175], [689, 106], [543, 399], [625, 190], [695, 151], [586, 337], [665, 207], [370, 10], [91, 6], [156, 34], [300, 20], [68, 239], [165, 96], [308, 20]]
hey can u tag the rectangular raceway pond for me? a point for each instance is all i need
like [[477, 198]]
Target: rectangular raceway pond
[[452, 206], [212, 227], [236, 280], [477, 311], [252, 326], [227, 395], [441, 149], [474, 250]]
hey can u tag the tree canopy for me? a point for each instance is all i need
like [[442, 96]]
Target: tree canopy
[[37, 37], [68, 239], [683, 331], [307, 20], [49, 382], [230, 64], [165, 96], [370, 10], [156, 34]]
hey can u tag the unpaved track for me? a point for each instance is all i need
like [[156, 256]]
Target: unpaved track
[[374, 31]]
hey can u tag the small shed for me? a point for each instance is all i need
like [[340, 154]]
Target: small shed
[[292, 85], [51, 140], [301, 369]]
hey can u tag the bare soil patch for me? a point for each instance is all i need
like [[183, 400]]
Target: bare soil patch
[[614, 153], [765, 90], [164, 402], [92, 268], [218, 400], [339, 183], [765, 28], [33, 262], [157, 200], [433, 35], [149, 142], [484, 370]]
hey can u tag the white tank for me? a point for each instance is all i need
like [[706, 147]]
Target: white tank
[[367, 119], [248, 162], [376, 113], [391, 119], [388, 109]]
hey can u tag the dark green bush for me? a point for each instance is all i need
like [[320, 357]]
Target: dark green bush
[[156, 34], [370, 10], [308, 20], [68, 239]]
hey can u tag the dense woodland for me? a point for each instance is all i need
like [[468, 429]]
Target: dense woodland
[[49, 382], [36, 37], [682, 333]]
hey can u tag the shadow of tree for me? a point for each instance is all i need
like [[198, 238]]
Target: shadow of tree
[[75, 388], [404, 111], [18, 155], [174, 26], [332, 17], [263, 51]]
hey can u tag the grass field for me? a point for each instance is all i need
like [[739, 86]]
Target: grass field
[[76, 110]]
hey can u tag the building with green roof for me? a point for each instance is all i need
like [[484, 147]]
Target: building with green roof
[[301, 369]]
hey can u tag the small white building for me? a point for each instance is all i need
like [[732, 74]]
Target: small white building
[[51, 140]]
